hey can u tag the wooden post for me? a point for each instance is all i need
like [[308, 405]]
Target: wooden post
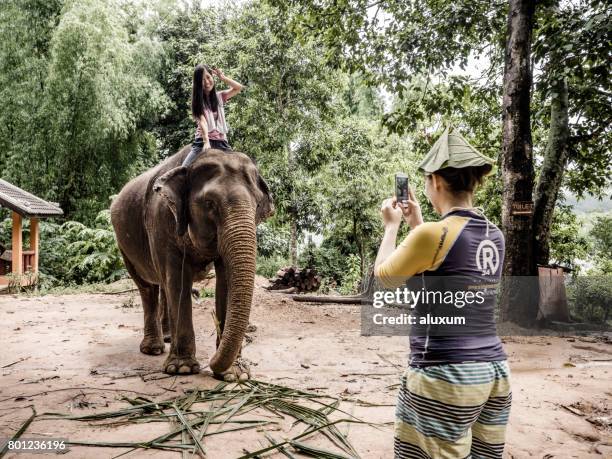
[[17, 243], [34, 237]]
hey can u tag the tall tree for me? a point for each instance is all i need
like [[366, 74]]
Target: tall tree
[[81, 97], [573, 47], [517, 163], [26, 27], [418, 49], [100, 93], [289, 95]]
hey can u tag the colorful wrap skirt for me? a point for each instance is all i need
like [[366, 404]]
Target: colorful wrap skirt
[[453, 411]]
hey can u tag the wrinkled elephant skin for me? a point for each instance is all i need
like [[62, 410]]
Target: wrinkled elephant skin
[[172, 224]]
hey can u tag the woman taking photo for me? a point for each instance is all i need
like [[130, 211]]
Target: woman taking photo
[[455, 396], [207, 110]]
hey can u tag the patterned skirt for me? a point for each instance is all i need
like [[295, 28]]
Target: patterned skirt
[[453, 411]]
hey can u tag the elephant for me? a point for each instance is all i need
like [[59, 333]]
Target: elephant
[[172, 224]]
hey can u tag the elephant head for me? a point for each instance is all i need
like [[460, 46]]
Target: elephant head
[[217, 202]]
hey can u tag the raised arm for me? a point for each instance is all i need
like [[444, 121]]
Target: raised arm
[[235, 87]]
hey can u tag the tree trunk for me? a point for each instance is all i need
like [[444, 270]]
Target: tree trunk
[[292, 213], [551, 175], [517, 304], [293, 242]]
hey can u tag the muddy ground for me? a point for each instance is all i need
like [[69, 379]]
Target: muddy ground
[[79, 353]]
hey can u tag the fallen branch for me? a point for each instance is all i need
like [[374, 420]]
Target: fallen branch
[[120, 292], [285, 290], [76, 388], [15, 362], [332, 299]]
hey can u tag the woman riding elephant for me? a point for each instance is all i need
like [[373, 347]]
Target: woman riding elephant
[[208, 111]]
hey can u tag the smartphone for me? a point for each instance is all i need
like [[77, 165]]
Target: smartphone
[[401, 188]]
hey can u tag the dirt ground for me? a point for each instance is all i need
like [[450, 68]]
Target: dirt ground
[[79, 353]]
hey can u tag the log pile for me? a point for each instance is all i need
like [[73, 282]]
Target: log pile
[[294, 280]]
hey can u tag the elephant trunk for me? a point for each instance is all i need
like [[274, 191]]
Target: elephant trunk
[[238, 247]]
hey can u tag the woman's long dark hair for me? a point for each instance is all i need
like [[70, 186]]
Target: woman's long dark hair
[[198, 101]]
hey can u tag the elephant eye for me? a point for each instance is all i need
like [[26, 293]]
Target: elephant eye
[[209, 204]]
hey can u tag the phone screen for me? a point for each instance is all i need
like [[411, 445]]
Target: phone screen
[[401, 187]]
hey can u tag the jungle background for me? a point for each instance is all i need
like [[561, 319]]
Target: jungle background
[[338, 97]]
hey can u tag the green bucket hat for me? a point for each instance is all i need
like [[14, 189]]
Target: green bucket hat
[[452, 150]]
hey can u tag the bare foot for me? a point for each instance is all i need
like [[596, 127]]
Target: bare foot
[[239, 371], [181, 365], [152, 346]]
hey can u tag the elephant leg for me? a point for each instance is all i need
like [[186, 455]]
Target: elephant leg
[[239, 371], [152, 342], [177, 287], [165, 315]]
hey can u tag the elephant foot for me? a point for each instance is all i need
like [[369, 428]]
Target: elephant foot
[[238, 372], [152, 346], [175, 365]]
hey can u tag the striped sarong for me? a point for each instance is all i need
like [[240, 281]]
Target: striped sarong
[[453, 411]]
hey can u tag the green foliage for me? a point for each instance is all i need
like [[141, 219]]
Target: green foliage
[[26, 28], [268, 266], [567, 246], [95, 91], [352, 277], [90, 254], [601, 237], [329, 259], [80, 101], [589, 297], [573, 41], [272, 241]]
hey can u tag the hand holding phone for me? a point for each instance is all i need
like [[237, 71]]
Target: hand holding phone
[[402, 193], [406, 200]]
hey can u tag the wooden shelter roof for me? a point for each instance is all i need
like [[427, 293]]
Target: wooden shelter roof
[[26, 204]]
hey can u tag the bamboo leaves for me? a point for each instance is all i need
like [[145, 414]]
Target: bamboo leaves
[[191, 415]]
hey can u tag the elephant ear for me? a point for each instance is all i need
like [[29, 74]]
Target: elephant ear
[[173, 187], [265, 208]]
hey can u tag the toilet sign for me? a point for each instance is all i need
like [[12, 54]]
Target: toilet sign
[[522, 208]]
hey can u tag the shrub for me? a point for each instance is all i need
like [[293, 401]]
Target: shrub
[[590, 297], [339, 268], [601, 238], [352, 276], [268, 266], [272, 241], [326, 259]]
